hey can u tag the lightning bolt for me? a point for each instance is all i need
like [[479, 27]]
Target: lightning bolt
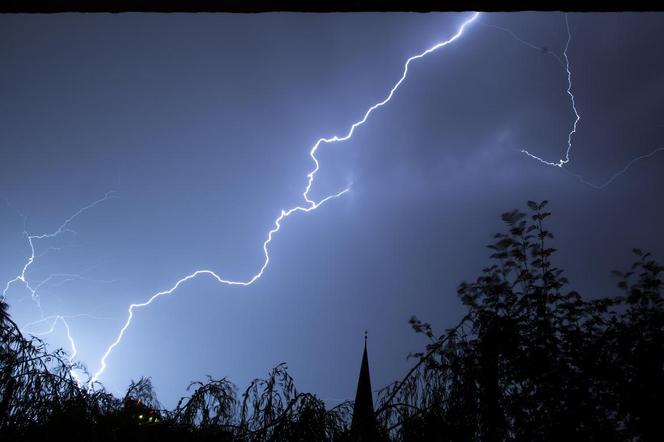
[[560, 163], [310, 204], [54, 321], [21, 277], [70, 338], [618, 173]]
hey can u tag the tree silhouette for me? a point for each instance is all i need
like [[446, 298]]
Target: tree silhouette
[[530, 360]]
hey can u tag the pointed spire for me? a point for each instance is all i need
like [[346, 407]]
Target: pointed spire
[[363, 426]]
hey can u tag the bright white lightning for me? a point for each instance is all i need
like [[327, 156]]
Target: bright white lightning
[[311, 204], [277, 226], [560, 163]]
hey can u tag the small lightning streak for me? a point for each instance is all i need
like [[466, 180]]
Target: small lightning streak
[[54, 319], [618, 173], [565, 65], [311, 204], [21, 277], [527, 43], [560, 163]]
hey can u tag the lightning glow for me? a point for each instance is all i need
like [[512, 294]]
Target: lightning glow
[[310, 204]]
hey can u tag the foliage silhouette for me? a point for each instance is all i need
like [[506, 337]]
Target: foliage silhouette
[[530, 360]]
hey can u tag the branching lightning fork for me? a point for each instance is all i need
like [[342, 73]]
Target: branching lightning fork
[[563, 161], [21, 277], [310, 204]]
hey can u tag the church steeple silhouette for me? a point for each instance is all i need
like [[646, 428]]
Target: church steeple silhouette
[[363, 425]]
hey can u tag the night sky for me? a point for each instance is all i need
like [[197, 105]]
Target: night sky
[[202, 124]]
